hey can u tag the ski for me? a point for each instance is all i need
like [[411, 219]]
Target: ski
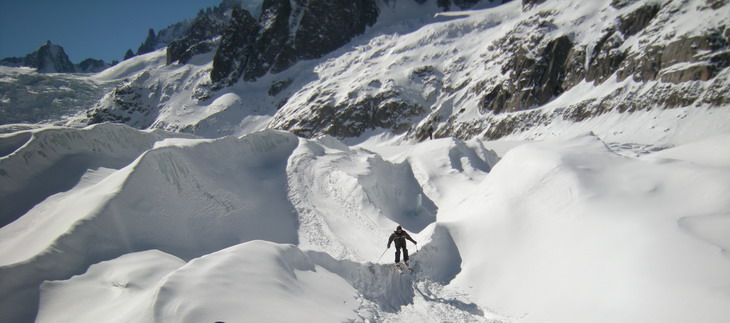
[[398, 268], [408, 267]]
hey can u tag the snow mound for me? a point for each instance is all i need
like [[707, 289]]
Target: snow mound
[[125, 286], [217, 229], [345, 196], [38, 163], [254, 280], [270, 277], [701, 152], [187, 200], [576, 232], [132, 66]]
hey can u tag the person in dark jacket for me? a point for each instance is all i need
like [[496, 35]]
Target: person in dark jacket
[[399, 237]]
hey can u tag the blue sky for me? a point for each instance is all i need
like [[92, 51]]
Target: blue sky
[[102, 29]]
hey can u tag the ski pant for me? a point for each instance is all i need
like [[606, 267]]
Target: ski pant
[[397, 254]]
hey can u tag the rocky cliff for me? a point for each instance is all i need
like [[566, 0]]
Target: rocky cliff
[[286, 32], [344, 68], [633, 52], [49, 58], [52, 58]]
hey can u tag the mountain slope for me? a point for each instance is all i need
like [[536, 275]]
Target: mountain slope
[[51, 58], [604, 201], [496, 70]]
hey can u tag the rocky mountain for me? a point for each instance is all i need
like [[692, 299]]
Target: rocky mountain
[[48, 58], [51, 58], [285, 33], [471, 68], [533, 60], [91, 65], [191, 36]]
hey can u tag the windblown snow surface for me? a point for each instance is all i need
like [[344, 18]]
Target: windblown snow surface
[[112, 224], [619, 218]]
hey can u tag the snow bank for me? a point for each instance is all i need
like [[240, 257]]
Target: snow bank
[[252, 281], [258, 281], [445, 168], [134, 65], [187, 200], [567, 230], [219, 229], [35, 164], [255, 281], [119, 290], [346, 197], [702, 152]]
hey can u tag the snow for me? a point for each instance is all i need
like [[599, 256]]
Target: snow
[[618, 218], [134, 65], [191, 229], [575, 232]]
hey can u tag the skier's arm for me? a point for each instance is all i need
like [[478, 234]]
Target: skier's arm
[[392, 236], [408, 236]]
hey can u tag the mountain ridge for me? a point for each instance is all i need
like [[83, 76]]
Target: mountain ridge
[[51, 58], [533, 54]]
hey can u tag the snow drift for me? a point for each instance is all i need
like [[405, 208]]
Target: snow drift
[[576, 232], [189, 198], [561, 230]]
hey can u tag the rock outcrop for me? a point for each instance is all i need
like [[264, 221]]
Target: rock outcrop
[[49, 58], [286, 32], [519, 59], [197, 40]]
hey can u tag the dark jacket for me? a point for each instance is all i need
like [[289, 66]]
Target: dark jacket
[[400, 239]]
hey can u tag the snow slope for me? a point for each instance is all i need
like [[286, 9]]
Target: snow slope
[[190, 230], [618, 218], [576, 232]]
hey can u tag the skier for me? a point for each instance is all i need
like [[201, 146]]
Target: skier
[[400, 236], [430, 132]]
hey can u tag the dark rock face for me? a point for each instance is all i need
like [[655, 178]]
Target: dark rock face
[[279, 86], [125, 104], [529, 4], [53, 54], [12, 61], [234, 50], [196, 41], [285, 34], [129, 54], [190, 37], [539, 79], [150, 43], [535, 76], [91, 65], [605, 58], [637, 20], [274, 35], [698, 58], [48, 58], [384, 110], [327, 25]]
